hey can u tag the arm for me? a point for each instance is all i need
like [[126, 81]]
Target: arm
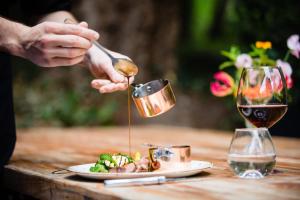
[[10, 36], [47, 44], [51, 44]]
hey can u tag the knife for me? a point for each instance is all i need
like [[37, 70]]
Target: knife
[[139, 181]]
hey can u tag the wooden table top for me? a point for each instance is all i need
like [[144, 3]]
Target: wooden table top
[[39, 151]]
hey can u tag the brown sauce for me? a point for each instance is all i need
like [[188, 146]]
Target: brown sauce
[[129, 116]]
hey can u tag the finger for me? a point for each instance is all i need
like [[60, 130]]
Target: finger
[[112, 87], [52, 40], [65, 61], [108, 89], [98, 83], [65, 52], [110, 70], [70, 29]]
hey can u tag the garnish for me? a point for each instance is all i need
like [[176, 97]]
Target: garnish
[[108, 161]]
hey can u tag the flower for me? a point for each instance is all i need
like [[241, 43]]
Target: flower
[[243, 60], [263, 44], [285, 67], [287, 72], [258, 92], [258, 56], [223, 85], [289, 82], [294, 45]]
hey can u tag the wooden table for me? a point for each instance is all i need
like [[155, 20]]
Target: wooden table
[[40, 151]]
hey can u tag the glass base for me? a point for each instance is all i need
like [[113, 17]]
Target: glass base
[[251, 174]]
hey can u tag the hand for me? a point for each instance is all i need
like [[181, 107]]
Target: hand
[[109, 80], [52, 44]]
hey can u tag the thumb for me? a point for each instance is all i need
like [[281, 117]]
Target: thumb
[[113, 74]]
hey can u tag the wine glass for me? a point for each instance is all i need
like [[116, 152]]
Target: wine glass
[[262, 95], [261, 100]]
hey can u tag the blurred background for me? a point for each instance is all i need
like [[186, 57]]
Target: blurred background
[[173, 39]]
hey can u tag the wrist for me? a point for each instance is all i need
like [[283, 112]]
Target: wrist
[[11, 37], [16, 44]]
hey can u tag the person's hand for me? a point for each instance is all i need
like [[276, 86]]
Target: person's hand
[[52, 44], [108, 79]]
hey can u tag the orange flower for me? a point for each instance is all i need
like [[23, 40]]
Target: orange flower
[[263, 44], [258, 92]]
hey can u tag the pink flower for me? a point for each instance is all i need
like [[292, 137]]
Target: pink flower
[[294, 45], [223, 85], [243, 60], [287, 72], [285, 67], [289, 82]]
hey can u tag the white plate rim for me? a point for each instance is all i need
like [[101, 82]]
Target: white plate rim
[[180, 172]]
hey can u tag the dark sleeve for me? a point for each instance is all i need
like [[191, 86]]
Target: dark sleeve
[[36, 8]]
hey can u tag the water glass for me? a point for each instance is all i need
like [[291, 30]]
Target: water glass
[[251, 154]]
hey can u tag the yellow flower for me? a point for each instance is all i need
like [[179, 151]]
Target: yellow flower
[[263, 44]]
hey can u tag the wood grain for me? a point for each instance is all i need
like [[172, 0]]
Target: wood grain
[[39, 151]]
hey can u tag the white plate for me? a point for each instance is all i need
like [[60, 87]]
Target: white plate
[[192, 168]]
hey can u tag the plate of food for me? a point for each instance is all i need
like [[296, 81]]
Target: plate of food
[[118, 166]]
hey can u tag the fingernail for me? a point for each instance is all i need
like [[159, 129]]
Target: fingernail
[[96, 35]]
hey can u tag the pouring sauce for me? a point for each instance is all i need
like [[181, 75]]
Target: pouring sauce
[[129, 115], [128, 69]]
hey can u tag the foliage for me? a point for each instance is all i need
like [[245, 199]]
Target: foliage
[[61, 97]]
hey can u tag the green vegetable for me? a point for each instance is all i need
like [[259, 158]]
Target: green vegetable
[[105, 156], [107, 161], [99, 168], [101, 162]]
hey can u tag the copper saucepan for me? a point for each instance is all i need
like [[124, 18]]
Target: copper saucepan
[[173, 156], [153, 98]]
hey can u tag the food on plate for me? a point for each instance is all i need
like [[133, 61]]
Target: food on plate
[[120, 163]]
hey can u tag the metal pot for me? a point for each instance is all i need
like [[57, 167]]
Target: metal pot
[[175, 156], [153, 98]]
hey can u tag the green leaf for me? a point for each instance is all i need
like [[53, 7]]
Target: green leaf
[[232, 53], [100, 162], [99, 168], [227, 54], [226, 64], [256, 51], [105, 156]]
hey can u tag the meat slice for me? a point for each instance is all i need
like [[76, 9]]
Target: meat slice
[[130, 167], [142, 165]]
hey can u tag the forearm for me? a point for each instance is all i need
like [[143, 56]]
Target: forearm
[[58, 16], [10, 36]]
